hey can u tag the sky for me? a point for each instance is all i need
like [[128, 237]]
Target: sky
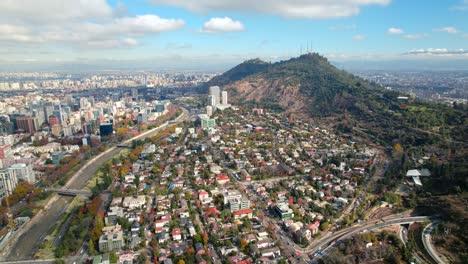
[[217, 34]]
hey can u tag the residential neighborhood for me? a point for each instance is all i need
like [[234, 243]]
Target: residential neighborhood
[[251, 189]]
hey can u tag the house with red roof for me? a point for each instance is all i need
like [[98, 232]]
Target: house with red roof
[[176, 234], [221, 179], [314, 227], [238, 214], [212, 211]]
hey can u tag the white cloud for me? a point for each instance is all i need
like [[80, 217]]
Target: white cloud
[[130, 42], [462, 6], [97, 28], [76, 23], [147, 24], [416, 36], [450, 30], [359, 37], [286, 8], [438, 52], [15, 33], [395, 31], [219, 24], [48, 11]]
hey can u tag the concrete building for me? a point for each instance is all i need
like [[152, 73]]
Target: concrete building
[[111, 239], [207, 123], [133, 202], [238, 204], [209, 110], [83, 102], [142, 118], [67, 131], [53, 120], [5, 152], [106, 129], [101, 259], [135, 94], [211, 101], [8, 182], [57, 157], [283, 211], [27, 124], [224, 98], [231, 195], [215, 92], [7, 140], [24, 172], [56, 130]]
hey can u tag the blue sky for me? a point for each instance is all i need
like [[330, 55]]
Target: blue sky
[[184, 34]]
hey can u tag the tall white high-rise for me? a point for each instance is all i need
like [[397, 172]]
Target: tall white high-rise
[[134, 93], [224, 97], [211, 100], [83, 102], [8, 182], [215, 92]]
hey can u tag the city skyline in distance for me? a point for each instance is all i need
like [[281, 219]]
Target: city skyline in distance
[[216, 35]]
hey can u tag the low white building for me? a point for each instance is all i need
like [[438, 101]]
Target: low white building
[[133, 202], [24, 171]]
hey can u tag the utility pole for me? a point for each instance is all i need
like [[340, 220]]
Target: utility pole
[[11, 224]]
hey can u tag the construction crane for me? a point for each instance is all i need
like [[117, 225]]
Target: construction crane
[[11, 223]]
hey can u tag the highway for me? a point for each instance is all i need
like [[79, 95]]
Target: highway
[[27, 243]]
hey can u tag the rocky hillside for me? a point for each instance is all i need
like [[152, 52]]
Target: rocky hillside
[[307, 85]]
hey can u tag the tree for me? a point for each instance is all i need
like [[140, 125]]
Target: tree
[[197, 238], [92, 250], [243, 244], [205, 238], [96, 232], [113, 257], [324, 225], [136, 181]]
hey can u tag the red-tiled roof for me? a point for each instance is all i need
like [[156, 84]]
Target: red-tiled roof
[[242, 211]]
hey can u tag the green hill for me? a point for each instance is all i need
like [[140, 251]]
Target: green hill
[[309, 87]]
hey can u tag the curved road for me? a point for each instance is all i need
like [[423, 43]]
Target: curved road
[[26, 244], [362, 227], [426, 239]]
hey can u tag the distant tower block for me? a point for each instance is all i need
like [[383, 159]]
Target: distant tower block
[[224, 97], [215, 91], [209, 110], [211, 100]]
